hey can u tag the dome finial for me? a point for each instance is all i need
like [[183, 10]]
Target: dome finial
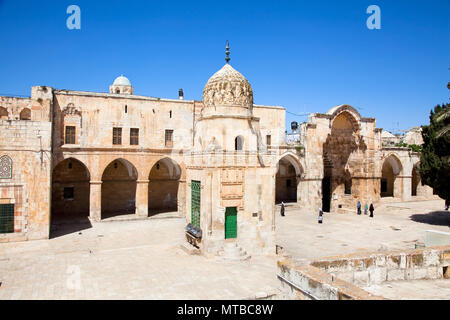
[[227, 59]]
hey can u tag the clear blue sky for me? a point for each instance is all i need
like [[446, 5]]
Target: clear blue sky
[[307, 56]]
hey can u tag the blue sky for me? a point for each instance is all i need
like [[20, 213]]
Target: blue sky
[[307, 56]]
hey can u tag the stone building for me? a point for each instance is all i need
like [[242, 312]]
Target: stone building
[[223, 162]]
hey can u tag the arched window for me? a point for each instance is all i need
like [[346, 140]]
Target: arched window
[[5, 167], [238, 143], [25, 114]]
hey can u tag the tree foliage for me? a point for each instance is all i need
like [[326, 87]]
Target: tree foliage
[[435, 156]]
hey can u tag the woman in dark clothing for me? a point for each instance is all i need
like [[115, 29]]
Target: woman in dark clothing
[[282, 209], [320, 215], [371, 209]]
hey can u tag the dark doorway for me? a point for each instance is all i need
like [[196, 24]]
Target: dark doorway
[[326, 194]]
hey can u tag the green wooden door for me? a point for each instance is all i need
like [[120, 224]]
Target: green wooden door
[[6, 218], [195, 203], [230, 223]]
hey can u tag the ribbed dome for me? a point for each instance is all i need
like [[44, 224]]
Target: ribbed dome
[[228, 87], [122, 81]]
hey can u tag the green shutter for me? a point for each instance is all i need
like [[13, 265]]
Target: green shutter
[[195, 203], [6, 218], [230, 223]]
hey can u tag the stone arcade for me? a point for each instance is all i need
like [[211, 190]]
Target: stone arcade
[[222, 162]]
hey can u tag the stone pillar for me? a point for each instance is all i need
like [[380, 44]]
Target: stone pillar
[[181, 198], [142, 198], [95, 201], [403, 187]]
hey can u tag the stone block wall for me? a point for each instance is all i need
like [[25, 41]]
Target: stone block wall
[[306, 282], [376, 268], [340, 277], [27, 144]]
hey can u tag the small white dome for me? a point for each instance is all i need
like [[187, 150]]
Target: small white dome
[[122, 81]]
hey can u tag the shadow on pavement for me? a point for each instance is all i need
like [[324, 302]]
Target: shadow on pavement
[[436, 218], [62, 227]]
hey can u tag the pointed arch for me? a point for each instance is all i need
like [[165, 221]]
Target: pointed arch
[[70, 191], [289, 171], [25, 114], [3, 113], [164, 186], [119, 183], [391, 168]]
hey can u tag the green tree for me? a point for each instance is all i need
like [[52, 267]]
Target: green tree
[[435, 156]]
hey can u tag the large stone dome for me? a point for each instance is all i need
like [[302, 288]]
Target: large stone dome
[[228, 87]]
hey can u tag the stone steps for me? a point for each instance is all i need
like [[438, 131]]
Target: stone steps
[[190, 249], [232, 251]]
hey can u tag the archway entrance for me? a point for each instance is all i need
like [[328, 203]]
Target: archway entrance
[[163, 186], [340, 160], [119, 189], [286, 180], [70, 192], [391, 168]]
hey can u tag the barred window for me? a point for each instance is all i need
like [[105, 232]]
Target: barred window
[[169, 138], [117, 135], [70, 135], [134, 136], [6, 218]]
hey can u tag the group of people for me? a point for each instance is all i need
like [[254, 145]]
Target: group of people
[[371, 208], [358, 208]]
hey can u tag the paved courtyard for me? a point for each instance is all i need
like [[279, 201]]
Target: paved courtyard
[[142, 259], [394, 226], [127, 260]]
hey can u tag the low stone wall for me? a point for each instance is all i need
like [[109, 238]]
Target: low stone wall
[[306, 282], [340, 277], [368, 269]]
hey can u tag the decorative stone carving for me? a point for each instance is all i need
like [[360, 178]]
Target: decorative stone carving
[[5, 167], [228, 87], [71, 110]]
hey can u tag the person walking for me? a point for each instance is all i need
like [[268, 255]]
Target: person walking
[[358, 207], [366, 207], [371, 209], [320, 215], [282, 208]]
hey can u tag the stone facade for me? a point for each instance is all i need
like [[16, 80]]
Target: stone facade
[[85, 155]]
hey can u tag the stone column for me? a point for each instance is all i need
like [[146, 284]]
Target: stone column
[[142, 198], [181, 198], [95, 201]]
